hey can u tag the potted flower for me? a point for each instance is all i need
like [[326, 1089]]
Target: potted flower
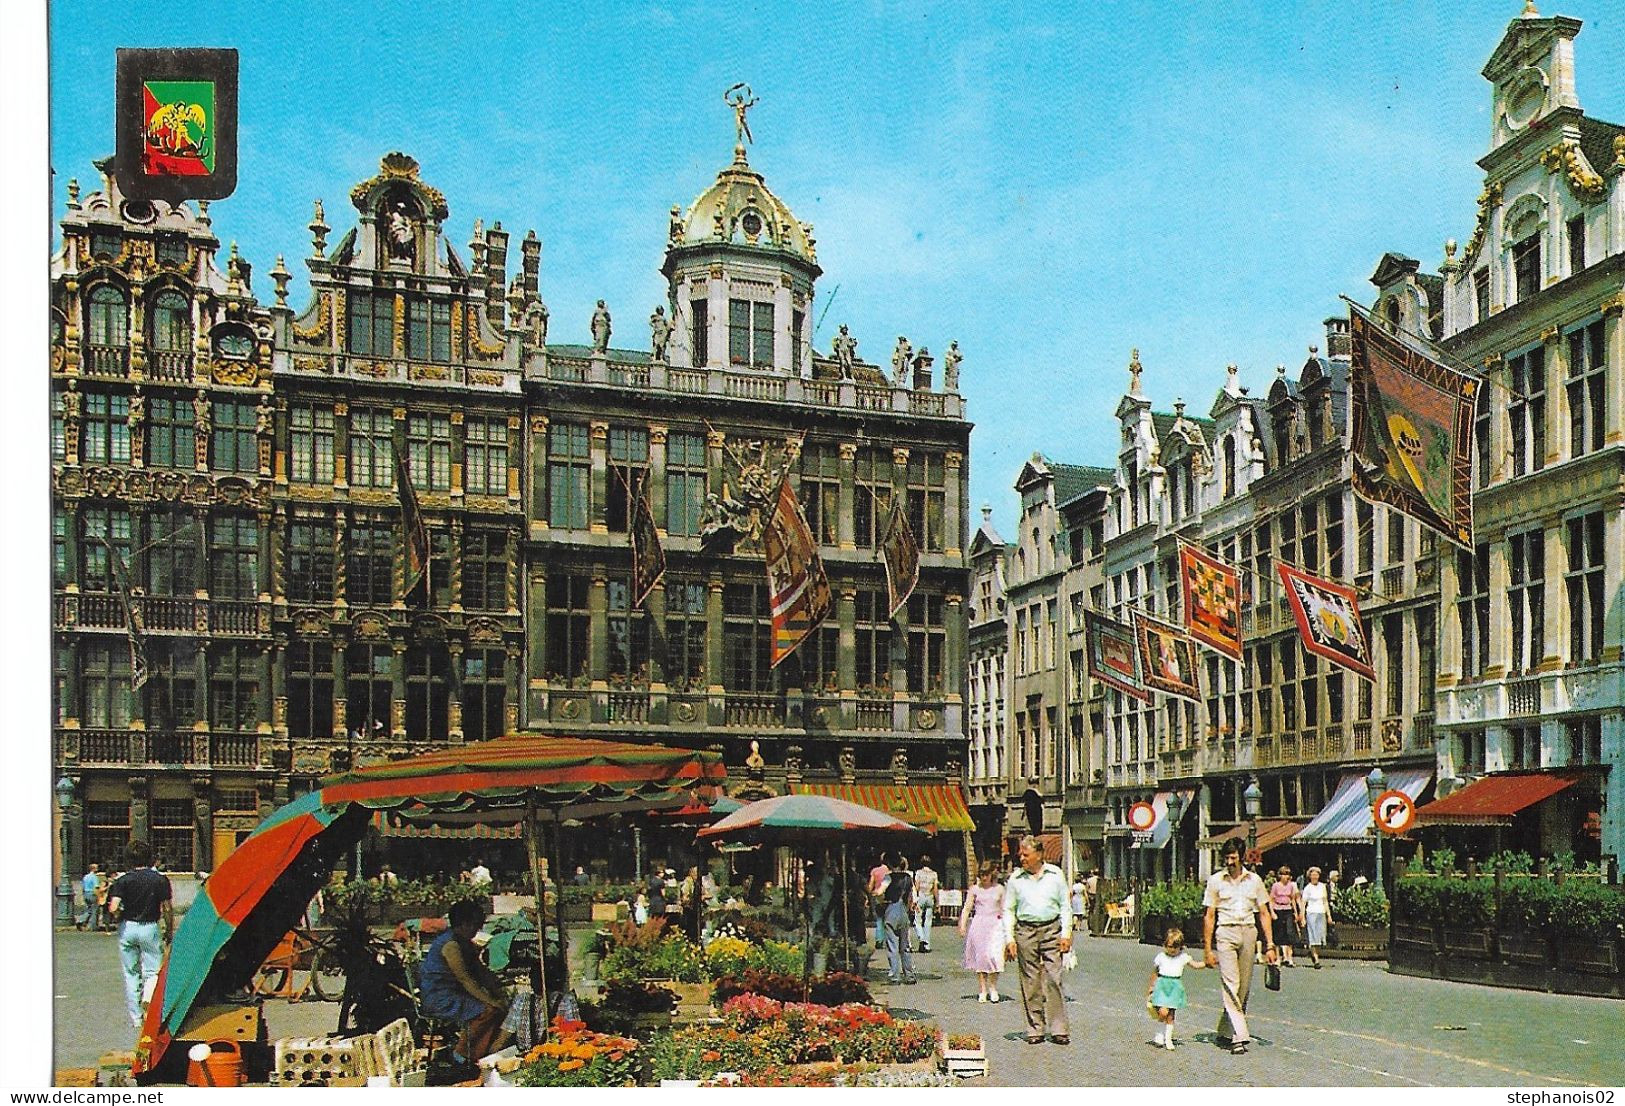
[[963, 1054]]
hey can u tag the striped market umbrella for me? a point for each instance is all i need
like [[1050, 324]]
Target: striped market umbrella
[[252, 899], [803, 819]]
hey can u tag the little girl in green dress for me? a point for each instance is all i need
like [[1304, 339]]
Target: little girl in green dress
[[1166, 992]]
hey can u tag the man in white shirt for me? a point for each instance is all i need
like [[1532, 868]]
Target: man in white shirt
[[1234, 897], [479, 874], [1038, 932], [925, 902]]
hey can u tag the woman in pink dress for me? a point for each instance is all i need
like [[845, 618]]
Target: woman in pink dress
[[981, 923]]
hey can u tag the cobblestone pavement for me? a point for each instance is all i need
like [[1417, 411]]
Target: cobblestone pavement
[[1351, 1024]]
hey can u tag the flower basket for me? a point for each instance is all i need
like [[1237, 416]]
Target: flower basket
[[963, 1055]]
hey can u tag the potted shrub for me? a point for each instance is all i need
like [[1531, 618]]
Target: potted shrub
[[645, 1005], [963, 1054]]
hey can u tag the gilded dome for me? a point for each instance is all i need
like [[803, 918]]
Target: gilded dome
[[739, 210]]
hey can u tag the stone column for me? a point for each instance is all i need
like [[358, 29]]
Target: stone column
[[716, 291], [655, 612], [714, 441], [536, 508], [454, 691], [459, 442], [657, 474], [456, 540], [397, 691], [203, 818], [598, 447], [1555, 602], [598, 629], [1613, 573], [1500, 628], [510, 697], [341, 691], [341, 565], [279, 687], [953, 504], [140, 817], [263, 707], [845, 529], [341, 443], [1449, 628], [1557, 393], [536, 636], [511, 583], [1613, 313], [713, 634], [516, 451], [277, 537]]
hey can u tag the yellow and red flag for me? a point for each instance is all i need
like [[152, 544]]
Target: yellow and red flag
[[797, 585], [1328, 617], [1212, 592]]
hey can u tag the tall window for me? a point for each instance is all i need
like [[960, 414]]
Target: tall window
[[1524, 747], [1393, 647], [372, 453], [685, 482], [234, 448], [685, 632], [105, 434], [1577, 243], [109, 318], [310, 443], [1364, 542], [569, 467], [628, 465], [486, 471], [428, 444], [628, 634], [927, 491], [1396, 537], [171, 689], [567, 624], [171, 323], [1333, 517], [746, 636], [234, 687], [1584, 582], [1526, 266], [439, 567], [1526, 411], [371, 330], [171, 553], [1483, 471], [699, 333], [234, 557], [61, 529], [750, 333], [428, 693], [1473, 608], [104, 699], [485, 569], [820, 659], [1584, 736], [310, 562], [874, 641], [368, 686], [171, 433], [173, 834], [926, 642], [1481, 295], [1287, 657], [1526, 599], [1587, 389], [107, 832], [103, 525], [821, 491], [310, 689], [428, 329], [485, 690], [874, 473], [370, 577], [1427, 656]]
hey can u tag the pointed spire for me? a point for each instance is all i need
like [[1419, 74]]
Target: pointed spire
[[280, 277], [318, 231], [73, 191], [1529, 11]]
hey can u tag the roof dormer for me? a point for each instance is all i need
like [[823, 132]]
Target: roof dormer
[[1533, 73]]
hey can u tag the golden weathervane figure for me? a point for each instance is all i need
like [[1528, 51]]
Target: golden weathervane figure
[[741, 99]]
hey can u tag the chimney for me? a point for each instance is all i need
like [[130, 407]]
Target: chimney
[[531, 254], [496, 274], [1337, 338]]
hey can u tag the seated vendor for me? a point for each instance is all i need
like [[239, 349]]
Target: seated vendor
[[454, 984]]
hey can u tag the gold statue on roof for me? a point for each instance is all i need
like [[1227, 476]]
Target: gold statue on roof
[[741, 99]]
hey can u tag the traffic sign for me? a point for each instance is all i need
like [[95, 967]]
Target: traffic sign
[[1141, 817], [1393, 812]]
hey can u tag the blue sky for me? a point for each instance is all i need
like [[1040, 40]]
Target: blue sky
[[1051, 186]]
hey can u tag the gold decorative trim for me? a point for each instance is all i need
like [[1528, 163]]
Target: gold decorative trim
[[417, 371], [324, 315], [1566, 157], [310, 364], [1487, 201], [239, 373], [485, 378]]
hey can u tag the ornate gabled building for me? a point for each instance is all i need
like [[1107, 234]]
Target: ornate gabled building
[[730, 394], [987, 694], [162, 497], [1533, 631], [404, 351]]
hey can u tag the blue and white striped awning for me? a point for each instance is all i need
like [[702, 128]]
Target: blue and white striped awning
[[1346, 819]]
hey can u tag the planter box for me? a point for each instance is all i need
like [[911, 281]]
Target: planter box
[[966, 1063], [606, 912], [1468, 944], [1525, 949]]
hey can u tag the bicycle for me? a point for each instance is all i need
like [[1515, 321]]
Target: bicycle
[[313, 954]]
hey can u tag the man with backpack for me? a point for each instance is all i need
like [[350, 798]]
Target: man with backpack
[[897, 909]]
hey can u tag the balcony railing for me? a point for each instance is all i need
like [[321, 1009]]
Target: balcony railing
[[1362, 737], [169, 364], [234, 616], [105, 746], [1393, 581], [771, 388], [628, 706], [874, 399], [234, 750], [748, 709], [629, 376], [104, 612], [927, 403], [686, 380], [1523, 697], [165, 747], [107, 360], [874, 714], [1422, 730]]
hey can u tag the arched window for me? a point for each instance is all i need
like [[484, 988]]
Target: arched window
[[109, 318], [1392, 311], [171, 323]]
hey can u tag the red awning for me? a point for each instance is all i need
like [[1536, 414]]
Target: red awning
[[934, 807], [1271, 832], [1493, 800], [390, 826], [1051, 844]]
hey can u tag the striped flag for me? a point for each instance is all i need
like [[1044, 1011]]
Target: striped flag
[[797, 585], [415, 533]]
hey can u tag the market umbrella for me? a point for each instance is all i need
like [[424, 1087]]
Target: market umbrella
[[254, 897], [808, 820]]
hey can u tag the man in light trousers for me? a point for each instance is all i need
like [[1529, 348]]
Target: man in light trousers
[[925, 902], [140, 899], [1038, 932], [1233, 899]]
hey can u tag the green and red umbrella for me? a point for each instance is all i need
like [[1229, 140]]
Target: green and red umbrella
[[789, 819], [252, 899]]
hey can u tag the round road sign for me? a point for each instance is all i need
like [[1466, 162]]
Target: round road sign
[[1393, 812], [1141, 817]]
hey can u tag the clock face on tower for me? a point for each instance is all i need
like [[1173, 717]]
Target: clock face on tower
[[1525, 95]]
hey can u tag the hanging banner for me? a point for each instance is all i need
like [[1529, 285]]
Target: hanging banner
[[902, 556], [1328, 617], [1212, 592], [796, 582], [1113, 658], [1167, 657], [1412, 429], [648, 557]]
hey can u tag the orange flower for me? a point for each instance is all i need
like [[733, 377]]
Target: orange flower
[[617, 1056], [710, 1055], [572, 1065]]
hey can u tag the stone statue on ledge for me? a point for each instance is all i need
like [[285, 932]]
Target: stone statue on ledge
[[600, 329], [950, 367], [659, 334], [845, 348]]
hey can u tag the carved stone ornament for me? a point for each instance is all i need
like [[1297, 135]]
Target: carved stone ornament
[[484, 630], [926, 719], [754, 761], [899, 762], [1392, 735], [685, 712], [312, 762], [370, 626], [570, 708], [238, 373], [848, 762]]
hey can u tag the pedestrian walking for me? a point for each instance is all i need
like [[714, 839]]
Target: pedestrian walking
[[1287, 907], [981, 924], [1165, 994], [878, 875], [925, 902], [897, 897], [1317, 913], [89, 886], [140, 900], [1234, 897], [1038, 932], [1077, 905], [1094, 903]]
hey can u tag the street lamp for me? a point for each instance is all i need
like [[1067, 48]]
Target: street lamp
[[1253, 799], [1375, 784], [1176, 807], [64, 887]]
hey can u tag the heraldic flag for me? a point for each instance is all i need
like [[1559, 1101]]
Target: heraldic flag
[[1328, 617], [416, 534], [1412, 429], [1113, 659], [1212, 600], [648, 558], [902, 555], [1167, 657], [796, 582]]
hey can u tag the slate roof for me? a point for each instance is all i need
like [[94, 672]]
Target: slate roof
[[1072, 481], [1597, 141]]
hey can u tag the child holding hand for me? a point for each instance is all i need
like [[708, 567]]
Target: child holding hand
[[1165, 993]]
